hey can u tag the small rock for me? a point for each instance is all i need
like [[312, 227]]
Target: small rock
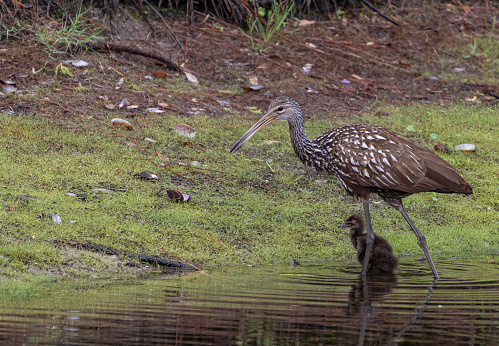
[[224, 104], [185, 130], [155, 110], [465, 147], [77, 63], [101, 190], [149, 176], [56, 218]]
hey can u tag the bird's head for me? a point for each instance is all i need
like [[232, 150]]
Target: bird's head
[[354, 224], [281, 108]]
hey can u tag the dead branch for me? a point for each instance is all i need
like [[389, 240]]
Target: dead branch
[[133, 47], [113, 252], [368, 4]]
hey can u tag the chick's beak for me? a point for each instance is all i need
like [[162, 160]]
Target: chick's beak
[[267, 119]]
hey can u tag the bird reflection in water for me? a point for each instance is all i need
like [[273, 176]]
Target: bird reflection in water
[[369, 289]]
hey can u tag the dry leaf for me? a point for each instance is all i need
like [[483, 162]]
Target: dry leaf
[[305, 22], [253, 80], [160, 74], [191, 78]]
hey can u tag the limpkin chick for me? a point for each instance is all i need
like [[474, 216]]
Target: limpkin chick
[[367, 159], [381, 259]]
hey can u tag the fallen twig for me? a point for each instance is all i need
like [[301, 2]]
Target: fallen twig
[[113, 252], [130, 46], [368, 4]]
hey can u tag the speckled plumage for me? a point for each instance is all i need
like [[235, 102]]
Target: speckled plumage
[[372, 158], [367, 159], [381, 259]]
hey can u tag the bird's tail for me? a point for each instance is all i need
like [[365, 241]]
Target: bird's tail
[[443, 176]]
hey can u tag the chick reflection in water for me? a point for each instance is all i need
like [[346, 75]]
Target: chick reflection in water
[[381, 259]]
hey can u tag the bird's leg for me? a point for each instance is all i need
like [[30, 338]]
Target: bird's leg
[[421, 239], [369, 237]]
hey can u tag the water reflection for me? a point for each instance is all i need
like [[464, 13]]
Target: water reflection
[[368, 290], [307, 305]]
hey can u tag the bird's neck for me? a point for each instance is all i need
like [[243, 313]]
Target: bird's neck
[[304, 148]]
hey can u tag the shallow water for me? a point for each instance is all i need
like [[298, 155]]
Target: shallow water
[[281, 305]]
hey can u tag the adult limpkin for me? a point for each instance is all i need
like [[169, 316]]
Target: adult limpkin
[[367, 159], [381, 259]]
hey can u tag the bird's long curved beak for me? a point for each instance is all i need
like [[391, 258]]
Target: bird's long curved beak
[[342, 226], [267, 119]]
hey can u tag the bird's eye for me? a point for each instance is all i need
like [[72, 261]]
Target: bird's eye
[[280, 109]]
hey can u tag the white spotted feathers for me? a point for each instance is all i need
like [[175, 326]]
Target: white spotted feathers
[[366, 158], [370, 158]]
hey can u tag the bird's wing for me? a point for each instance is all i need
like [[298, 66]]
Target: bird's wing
[[374, 157]]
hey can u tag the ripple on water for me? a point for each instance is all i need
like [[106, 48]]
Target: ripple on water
[[328, 304]]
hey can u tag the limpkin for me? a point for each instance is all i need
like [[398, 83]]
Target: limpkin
[[381, 259], [367, 159]]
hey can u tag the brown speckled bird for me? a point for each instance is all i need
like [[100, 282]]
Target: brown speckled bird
[[381, 259], [367, 159]]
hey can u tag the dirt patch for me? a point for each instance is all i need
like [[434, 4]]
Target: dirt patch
[[371, 60]]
